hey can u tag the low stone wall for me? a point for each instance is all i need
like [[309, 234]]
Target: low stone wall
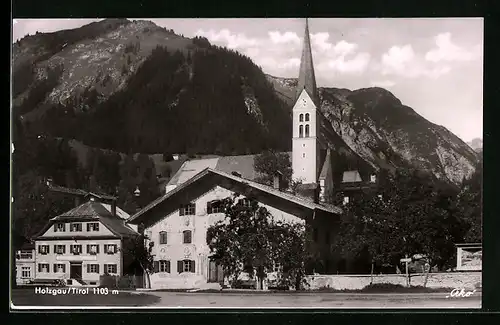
[[466, 280]]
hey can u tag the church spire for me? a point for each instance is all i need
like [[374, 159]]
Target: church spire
[[307, 79]]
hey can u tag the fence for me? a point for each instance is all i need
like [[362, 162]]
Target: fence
[[466, 280]]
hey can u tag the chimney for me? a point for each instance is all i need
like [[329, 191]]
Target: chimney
[[236, 174], [169, 187], [113, 207], [277, 180]]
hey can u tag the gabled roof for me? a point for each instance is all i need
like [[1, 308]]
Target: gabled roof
[[80, 192], [265, 188], [97, 211], [307, 79]]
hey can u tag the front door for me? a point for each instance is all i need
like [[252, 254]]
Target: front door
[[75, 271]]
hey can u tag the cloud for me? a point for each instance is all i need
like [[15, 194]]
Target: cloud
[[446, 50], [228, 39], [402, 61], [383, 83], [357, 64], [272, 63], [286, 37]]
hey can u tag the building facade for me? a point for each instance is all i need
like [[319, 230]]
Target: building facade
[[177, 224], [25, 264], [82, 244]]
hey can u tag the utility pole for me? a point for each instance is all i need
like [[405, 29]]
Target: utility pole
[[406, 260]]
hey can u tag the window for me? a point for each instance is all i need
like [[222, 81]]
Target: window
[[25, 272], [187, 209], [93, 226], [110, 268], [59, 227], [76, 249], [164, 266], [185, 266], [373, 178], [75, 227], [215, 207], [60, 249], [43, 249], [163, 237], [59, 268], [186, 236], [304, 155], [110, 248], [93, 249], [92, 268], [307, 130], [307, 117], [301, 118], [346, 200], [247, 203], [301, 131], [43, 267], [26, 255]]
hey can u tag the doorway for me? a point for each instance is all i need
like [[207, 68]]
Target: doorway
[[215, 272], [75, 270]]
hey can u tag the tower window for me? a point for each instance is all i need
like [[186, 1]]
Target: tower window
[[301, 131], [307, 130], [307, 117], [301, 117], [303, 155]]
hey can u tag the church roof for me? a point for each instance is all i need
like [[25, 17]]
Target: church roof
[[307, 79]]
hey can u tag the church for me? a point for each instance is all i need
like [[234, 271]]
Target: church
[[177, 222]]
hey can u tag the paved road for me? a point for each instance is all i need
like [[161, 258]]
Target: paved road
[[313, 300]]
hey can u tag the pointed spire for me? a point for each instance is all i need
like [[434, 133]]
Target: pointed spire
[[307, 78]]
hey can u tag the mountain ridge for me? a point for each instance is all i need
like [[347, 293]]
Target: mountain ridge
[[126, 81]]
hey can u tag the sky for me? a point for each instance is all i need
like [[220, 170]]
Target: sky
[[434, 65]]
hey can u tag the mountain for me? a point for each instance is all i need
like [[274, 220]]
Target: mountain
[[476, 144], [386, 133], [131, 86]]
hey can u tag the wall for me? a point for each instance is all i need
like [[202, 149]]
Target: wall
[[101, 258], [466, 280], [198, 250]]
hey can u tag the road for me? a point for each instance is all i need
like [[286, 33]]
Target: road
[[314, 300]]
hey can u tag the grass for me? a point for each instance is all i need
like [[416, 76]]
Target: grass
[[27, 297]]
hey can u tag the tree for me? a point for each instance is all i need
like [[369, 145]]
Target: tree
[[249, 240], [268, 162], [140, 254], [414, 216], [470, 205]]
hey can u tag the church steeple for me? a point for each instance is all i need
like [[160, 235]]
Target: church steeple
[[307, 79]]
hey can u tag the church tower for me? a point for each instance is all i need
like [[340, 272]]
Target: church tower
[[305, 142]]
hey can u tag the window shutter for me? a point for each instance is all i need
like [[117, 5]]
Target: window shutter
[[193, 268], [156, 266], [64, 249], [55, 248], [88, 249], [55, 268], [88, 268], [97, 248], [168, 266], [179, 267], [39, 268], [48, 249], [115, 248], [97, 266]]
